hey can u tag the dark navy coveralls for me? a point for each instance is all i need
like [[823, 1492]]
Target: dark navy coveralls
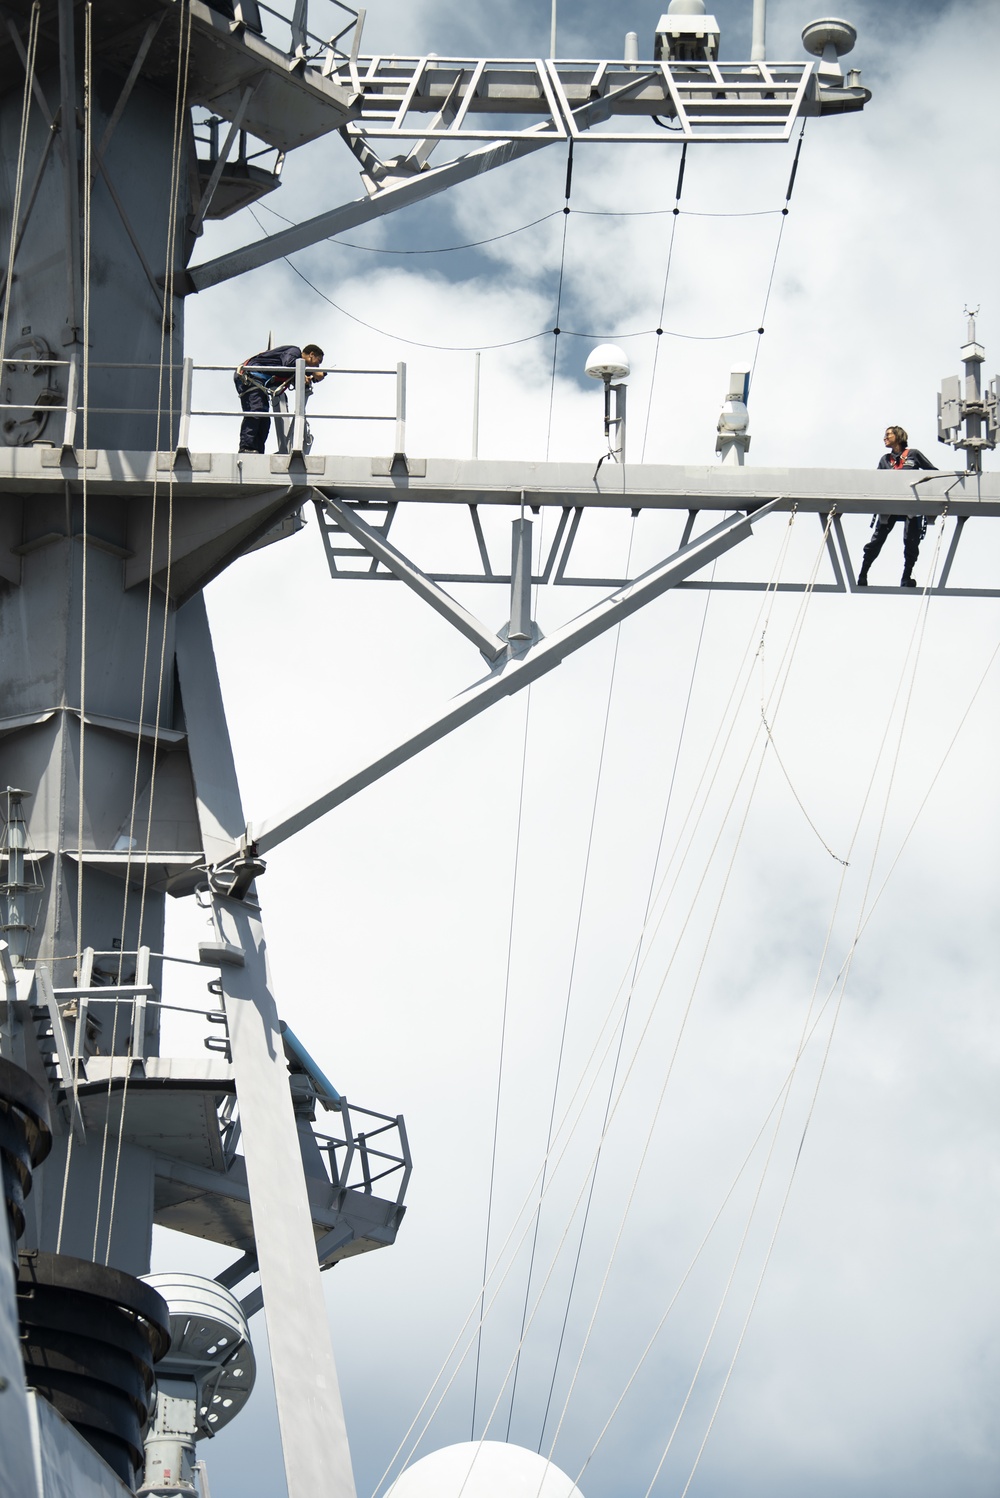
[[914, 526], [255, 391]]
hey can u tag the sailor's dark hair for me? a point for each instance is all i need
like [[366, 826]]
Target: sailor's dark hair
[[314, 348], [900, 435]]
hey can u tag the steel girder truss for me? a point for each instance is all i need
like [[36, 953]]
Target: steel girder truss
[[420, 102], [519, 654], [475, 98], [356, 546]]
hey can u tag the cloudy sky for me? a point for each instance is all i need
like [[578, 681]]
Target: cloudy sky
[[785, 1281]]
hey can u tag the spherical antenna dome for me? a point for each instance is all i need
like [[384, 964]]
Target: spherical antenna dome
[[686, 8], [483, 1469], [608, 362], [830, 32]]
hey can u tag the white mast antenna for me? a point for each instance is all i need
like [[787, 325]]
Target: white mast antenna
[[758, 48]]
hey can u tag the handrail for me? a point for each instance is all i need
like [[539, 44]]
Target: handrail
[[290, 414]]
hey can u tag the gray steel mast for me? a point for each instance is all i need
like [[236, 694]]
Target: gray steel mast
[[114, 744]]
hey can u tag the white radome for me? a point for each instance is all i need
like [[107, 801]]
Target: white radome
[[608, 362], [483, 1469]]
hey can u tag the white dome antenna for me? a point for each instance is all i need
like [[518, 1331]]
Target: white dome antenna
[[686, 33], [610, 363], [829, 40]]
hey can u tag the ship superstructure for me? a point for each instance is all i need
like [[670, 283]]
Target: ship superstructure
[[126, 129]]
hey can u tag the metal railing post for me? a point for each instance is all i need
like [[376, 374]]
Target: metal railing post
[[300, 23], [400, 449], [72, 389], [184, 424], [299, 419], [475, 405]]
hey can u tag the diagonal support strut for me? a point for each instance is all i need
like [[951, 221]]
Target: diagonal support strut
[[376, 545], [515, 674]]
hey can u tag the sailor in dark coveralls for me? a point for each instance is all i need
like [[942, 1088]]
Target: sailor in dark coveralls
[[899, 456], [255, 385]]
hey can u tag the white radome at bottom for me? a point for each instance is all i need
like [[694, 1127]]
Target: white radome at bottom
[[483, 1469]]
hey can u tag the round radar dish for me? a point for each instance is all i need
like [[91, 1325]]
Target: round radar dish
[[209, 1346], [830, 32], [483, 1469], [686, 8], [608, 362]]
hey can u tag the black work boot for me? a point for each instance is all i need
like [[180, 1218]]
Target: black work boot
[[863, 577], [906, 581]]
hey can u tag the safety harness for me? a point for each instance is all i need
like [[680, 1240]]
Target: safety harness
[[896, 460]]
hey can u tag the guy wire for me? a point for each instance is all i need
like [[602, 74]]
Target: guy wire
[[678, 189]]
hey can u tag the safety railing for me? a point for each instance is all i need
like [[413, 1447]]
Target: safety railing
[[176, 411], [357, 1163], [304, 42]]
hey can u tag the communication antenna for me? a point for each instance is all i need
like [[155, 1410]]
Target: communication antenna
[[734, 420], [610, 363], [972, 411]]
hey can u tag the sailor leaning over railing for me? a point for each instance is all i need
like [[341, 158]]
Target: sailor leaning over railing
[[267, 374]]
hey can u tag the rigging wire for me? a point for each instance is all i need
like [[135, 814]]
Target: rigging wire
[[447, 249], [678, 189], [581, 1099], [556, 330], [808, 1029], [73, 249], [581, 1095], [777, 251], [22, 151], [500, 1063], [165, 371], [648, 1142], [623, 1023], [789, 656], [917, 637], [476, 244], [637, 1046], [570, 982], [503, 1030], [520, 807]]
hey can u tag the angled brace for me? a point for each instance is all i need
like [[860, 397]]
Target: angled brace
[[377, 546], [514, 673]]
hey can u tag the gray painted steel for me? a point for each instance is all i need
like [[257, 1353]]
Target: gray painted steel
[[254, 489], [310, 1412], [517, 671], [111, 524]]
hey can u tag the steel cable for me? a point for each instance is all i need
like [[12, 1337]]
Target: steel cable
[[580, 1100], [166, 365]]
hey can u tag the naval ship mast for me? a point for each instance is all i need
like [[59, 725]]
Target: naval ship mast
[[121, 786]]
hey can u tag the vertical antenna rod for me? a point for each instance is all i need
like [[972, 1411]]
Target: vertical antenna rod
[[758, 48]]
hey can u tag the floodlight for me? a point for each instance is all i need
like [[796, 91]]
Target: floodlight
[[734, 417]]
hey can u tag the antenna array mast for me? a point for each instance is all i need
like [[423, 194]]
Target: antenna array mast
[[113, 724], [972, 410]]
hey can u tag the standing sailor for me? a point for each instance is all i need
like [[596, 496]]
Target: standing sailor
[[900, 455], [266, 374]]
